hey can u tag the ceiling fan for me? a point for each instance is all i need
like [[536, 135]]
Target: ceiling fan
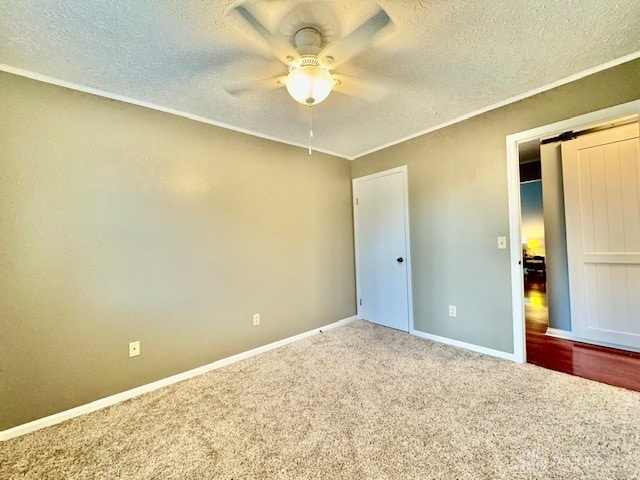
[[311, 61]]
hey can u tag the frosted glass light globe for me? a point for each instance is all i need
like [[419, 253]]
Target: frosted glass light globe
[[309, 84]]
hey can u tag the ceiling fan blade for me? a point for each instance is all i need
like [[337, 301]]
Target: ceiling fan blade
[[263, 84], [348, 47], [357, 87], [282, 50]]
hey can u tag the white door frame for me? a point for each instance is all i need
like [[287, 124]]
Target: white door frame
[[403, 170], [513, 181]]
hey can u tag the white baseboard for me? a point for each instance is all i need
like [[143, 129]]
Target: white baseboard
[[568, 335], [149, 387], [559, 333], [467, 346]]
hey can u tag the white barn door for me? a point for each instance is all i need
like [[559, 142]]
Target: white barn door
[[601, 173], [382, 248]]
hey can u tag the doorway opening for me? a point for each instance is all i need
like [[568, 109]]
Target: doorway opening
[[517, 253], [543, 329], [534, 270]]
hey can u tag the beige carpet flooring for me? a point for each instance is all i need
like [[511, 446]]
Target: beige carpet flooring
[[356, 402]]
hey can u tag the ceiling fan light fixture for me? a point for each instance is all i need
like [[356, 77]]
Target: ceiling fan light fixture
[[309, 82]]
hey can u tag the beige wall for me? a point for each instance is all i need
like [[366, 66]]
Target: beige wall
[[458, 205], [121, 223]]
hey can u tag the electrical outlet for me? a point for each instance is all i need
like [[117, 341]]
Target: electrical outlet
[[453, 311], [256, 319], [134, 349]]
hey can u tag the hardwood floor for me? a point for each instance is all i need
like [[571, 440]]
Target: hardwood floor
[[535, 304], [602, 364], [607, 365]]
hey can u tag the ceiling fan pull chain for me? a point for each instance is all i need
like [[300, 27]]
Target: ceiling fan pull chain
[[310, 126]]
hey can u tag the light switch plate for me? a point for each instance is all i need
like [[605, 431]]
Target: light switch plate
[[502, 242]]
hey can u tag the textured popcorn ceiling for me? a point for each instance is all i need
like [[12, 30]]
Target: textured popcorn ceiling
[[442, 59]]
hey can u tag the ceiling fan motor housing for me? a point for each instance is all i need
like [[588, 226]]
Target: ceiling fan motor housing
[[308, 41]]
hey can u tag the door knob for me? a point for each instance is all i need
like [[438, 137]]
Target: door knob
[[399, 259]]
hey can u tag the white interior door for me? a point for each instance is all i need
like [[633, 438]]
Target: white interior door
[[382, 253], [601, 173]]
